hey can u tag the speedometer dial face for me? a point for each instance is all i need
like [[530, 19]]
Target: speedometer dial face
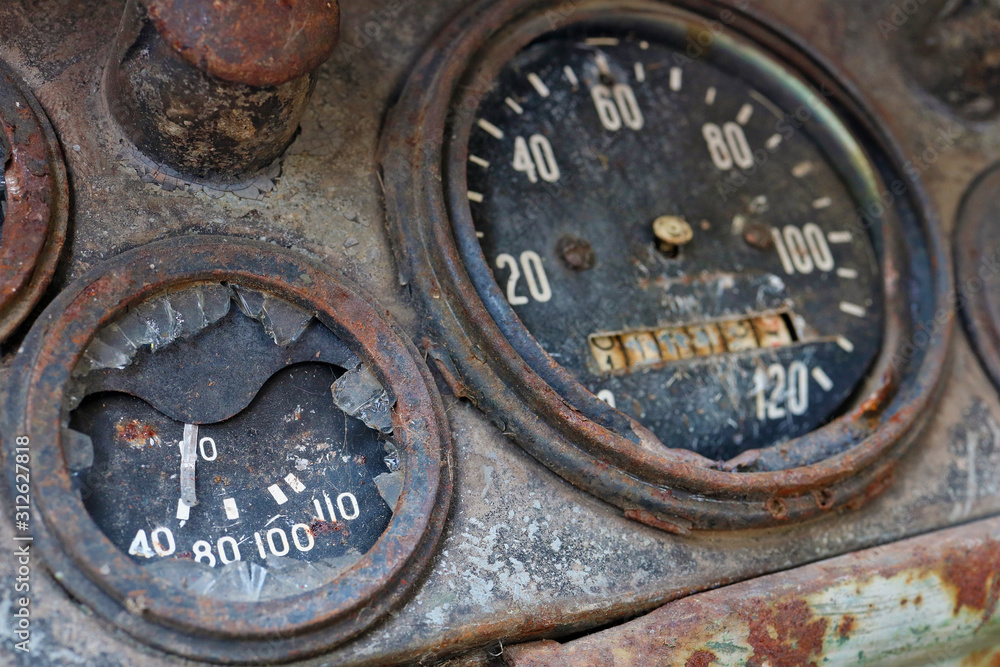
[[680, 234]]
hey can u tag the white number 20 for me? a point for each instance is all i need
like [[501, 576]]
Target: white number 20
[[534, 274]]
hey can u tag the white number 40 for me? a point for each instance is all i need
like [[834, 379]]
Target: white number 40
[[535, 158]]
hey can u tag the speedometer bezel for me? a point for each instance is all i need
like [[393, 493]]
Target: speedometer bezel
[[560, 422]]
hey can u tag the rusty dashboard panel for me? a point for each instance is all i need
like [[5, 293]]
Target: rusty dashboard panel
[[485, 332]]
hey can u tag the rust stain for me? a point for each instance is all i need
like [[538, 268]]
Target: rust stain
[[678, 526], [783, 635], [777, 507], [700, 659], [319, 527], [986, 658], [975, 575], [882, 482], [846, 626], [137, 433]]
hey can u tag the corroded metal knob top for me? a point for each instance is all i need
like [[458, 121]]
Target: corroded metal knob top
[[255, 42]]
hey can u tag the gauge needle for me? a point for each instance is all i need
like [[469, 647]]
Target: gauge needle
[[189, 455]]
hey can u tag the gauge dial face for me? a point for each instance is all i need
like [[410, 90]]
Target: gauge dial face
[[676, 234], [215, 452]]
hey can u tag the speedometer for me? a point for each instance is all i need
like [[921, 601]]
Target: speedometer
[[241, 464], [607, 188], [671, 254]]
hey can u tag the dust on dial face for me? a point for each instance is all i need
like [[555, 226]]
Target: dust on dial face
[[231, 444], [673, 236]]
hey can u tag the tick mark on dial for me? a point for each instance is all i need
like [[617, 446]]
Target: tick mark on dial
[[278, 495], [571, 76], [294, 483], [539, 85], [746, 112], [822, 379], [676, 79], [853, 309], [802, 169], [490, 128]]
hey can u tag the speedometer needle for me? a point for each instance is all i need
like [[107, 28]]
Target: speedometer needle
[[189, 455]]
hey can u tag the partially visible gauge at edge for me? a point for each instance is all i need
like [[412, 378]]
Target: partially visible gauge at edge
[[681, 235]]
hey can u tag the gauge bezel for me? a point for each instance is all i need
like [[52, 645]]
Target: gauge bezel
[[591, 445], [35, 227], [96, 571], [976, 219]]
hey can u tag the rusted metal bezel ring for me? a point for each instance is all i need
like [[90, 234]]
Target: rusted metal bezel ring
[[862, 447], [977, 223], [34, 229], [96, 571]]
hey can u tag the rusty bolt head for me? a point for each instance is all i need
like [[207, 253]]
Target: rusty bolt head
[[757, 235], [577, 253]]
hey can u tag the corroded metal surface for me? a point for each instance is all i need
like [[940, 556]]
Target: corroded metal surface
[[524, 555], [258, 42], [977, 260], [34, 228], [930, 600]]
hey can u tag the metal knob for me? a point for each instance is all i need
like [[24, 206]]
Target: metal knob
[[213, 91]]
